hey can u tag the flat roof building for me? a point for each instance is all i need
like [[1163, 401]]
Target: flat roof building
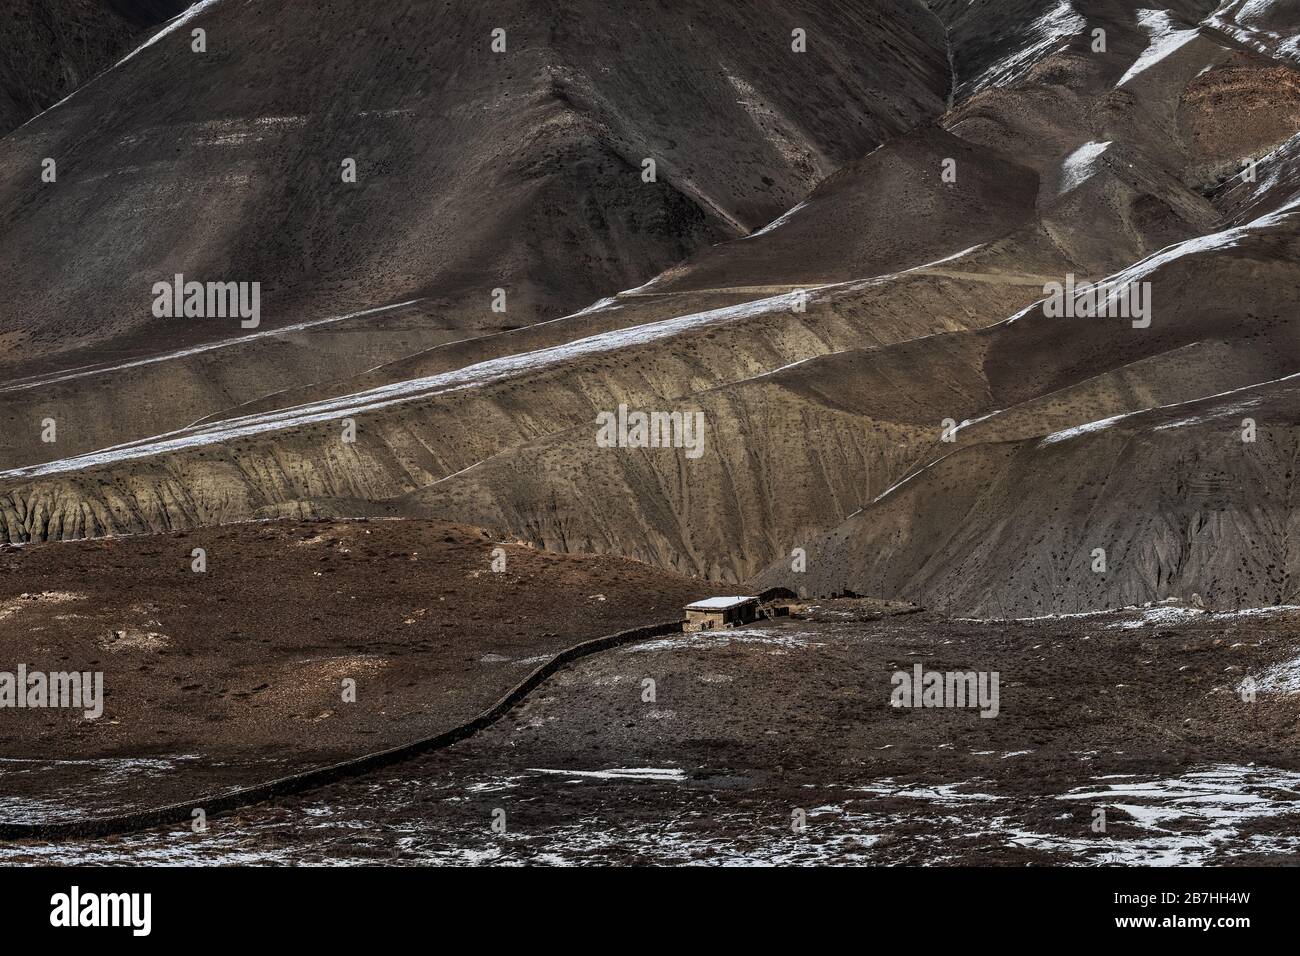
[[717, 612]]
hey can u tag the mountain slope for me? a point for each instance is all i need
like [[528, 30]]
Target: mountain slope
[[476, 170], [52, 47], [831, 353]]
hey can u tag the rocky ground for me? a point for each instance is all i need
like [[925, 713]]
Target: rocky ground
[[745, 734], [235, 675]]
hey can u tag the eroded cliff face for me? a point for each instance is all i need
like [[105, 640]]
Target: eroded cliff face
[[1165, 504]]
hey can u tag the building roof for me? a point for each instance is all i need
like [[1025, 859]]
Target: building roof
[[720, 603]]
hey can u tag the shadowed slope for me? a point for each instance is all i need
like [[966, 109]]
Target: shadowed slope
[[475, 170], [52, 47]]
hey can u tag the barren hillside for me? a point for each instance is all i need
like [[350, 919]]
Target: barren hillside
[[836, 282]]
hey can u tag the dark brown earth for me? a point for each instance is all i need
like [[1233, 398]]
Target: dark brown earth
[[52, 47], [235, 675], [794, 715], [476, 170]]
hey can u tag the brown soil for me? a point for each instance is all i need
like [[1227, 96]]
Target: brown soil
[[244, 664], [747, 727]]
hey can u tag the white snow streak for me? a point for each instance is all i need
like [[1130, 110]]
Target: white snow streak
[[196, 350], [778, 221], [630, 773], [1102, 423], [1166, 39], [1046, 35], [1081, 165], [172, 25], [472, 376]]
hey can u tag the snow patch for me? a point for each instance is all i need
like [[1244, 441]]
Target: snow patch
[[1157, 616], [1166, 39], [1282, 678], [1162, 612], [778, 221], [12, 606], [714, 640], [1087, 428], [1045, 36], [1081, 165], [671, 774]]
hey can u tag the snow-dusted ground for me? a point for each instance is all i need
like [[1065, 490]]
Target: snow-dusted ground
[[101, 776], [1156, 614], [1174, 614], [1197, 817], [782, 640], [1186, 819], [1281, 678]]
